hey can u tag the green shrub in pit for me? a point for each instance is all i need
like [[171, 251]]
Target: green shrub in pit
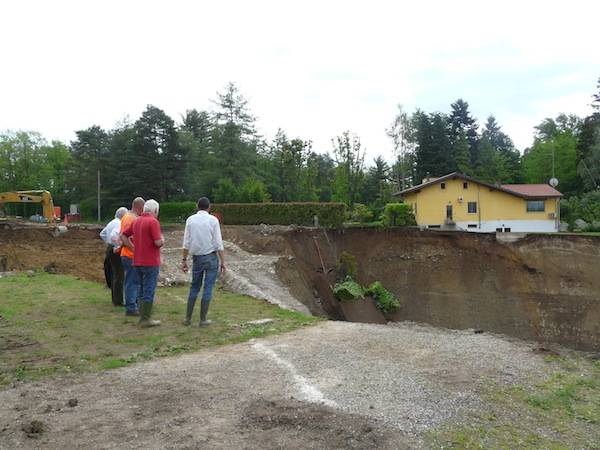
[[346, 266], [348, 290], [384, 299]]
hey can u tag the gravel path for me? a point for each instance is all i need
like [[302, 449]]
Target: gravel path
[[334, 385]]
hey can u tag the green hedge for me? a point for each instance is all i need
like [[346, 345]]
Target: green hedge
[[176, 211], [328, 214]]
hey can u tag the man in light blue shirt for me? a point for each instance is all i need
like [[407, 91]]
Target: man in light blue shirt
[[202, 239]]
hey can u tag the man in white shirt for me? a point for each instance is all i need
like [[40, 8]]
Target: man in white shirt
[[113, 270], [202, 239]]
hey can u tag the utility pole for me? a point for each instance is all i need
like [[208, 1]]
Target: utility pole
[[99, 195]]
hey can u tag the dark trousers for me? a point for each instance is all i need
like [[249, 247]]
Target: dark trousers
[[107, 269], [113, 270]]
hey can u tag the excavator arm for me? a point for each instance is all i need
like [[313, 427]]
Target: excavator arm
[[42, 197]]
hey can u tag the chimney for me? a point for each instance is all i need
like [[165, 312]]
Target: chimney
[[428, 178]]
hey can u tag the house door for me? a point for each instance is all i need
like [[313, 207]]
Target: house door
[[449, 212]]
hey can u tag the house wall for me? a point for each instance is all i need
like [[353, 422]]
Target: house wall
[[495, 209]]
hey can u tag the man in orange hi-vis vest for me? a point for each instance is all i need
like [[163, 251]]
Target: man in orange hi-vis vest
[[132, 285]]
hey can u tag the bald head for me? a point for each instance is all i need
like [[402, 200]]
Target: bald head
[[137, 206]]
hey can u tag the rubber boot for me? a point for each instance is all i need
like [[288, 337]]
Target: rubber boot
[[145, 314], [203, 313], [190, 312]]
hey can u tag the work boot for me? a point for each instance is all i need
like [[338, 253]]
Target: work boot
[[190, 311], [203, 313], [132, 313], [145, 314]]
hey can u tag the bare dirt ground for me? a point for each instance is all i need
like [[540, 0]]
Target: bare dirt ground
[[337, 385], [79, 252]]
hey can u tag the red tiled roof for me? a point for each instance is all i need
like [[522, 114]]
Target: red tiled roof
[[533, 190], [526, 191]]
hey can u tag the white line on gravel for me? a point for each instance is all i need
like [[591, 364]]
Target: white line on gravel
[[309, 391]]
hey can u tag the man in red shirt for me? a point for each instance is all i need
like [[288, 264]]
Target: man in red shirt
[[146, 257]]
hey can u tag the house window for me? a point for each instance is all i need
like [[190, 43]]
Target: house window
[[443, 185], [498, 230], [535, 205], [507, 230], [472, 225], [472, 207], [433, 226], [465, 185]]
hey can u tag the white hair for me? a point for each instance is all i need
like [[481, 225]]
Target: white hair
[[120, 212], [151, 206]]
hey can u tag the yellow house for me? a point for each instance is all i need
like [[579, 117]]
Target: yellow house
[[457, 201]]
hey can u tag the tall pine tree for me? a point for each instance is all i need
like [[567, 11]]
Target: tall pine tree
[[460, 121]]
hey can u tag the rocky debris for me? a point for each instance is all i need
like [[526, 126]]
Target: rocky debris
[[7, 274], [34, 429], [247, 273], [51, 268], [259, 322], [59, 230], [73, 402]]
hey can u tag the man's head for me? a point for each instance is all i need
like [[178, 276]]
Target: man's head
[[137, 206], [151, 206], [120, 212], [203, 204]]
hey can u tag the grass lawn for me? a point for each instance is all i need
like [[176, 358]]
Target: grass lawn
[[562, 411], [55, 324]]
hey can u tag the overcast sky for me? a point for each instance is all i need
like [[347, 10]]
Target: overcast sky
[[312, 68]]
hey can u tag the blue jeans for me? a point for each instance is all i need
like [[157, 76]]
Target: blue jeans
[[148, 276], [205, 270], [132, 284]]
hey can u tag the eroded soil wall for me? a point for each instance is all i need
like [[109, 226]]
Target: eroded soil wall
[[542, 287]]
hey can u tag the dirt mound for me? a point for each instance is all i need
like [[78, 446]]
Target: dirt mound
[[289, 422], [79, 251]]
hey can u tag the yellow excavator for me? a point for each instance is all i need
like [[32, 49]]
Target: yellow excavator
[[42, 197]]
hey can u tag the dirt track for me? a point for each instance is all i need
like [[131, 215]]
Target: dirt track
[[305, 390]]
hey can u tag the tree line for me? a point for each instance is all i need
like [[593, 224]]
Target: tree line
[[220, 154]]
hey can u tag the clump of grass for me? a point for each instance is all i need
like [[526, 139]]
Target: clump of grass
[[385, 301], [560, 412], [571, 394]]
